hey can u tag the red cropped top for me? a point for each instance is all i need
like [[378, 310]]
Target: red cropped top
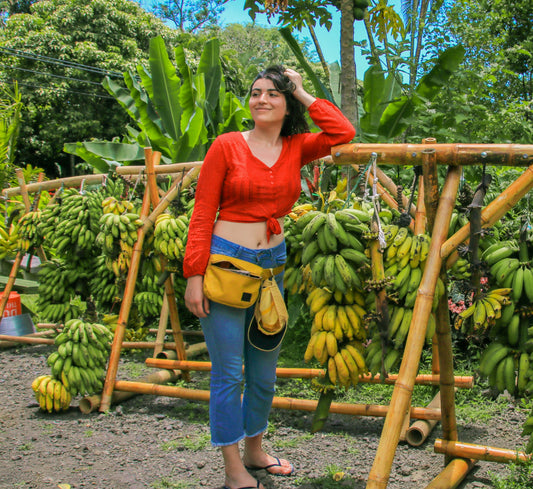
[[241, 188]]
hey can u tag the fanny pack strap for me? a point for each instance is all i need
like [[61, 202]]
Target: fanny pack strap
[[264, 273], [270, 272]]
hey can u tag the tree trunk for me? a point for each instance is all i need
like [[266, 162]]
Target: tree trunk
[[348, 70]]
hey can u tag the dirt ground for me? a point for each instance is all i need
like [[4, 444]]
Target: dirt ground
[[161, 442]]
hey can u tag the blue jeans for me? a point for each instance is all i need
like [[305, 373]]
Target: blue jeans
[[225, 335]]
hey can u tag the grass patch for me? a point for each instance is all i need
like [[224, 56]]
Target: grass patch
[[293, 442], [166, 483], [194, 443], [516, 476]]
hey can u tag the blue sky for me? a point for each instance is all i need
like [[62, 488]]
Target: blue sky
[[329, 41]]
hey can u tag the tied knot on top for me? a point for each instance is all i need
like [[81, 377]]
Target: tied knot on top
[[273, 227]]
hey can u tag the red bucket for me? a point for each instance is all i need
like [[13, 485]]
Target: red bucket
[[13, 306]]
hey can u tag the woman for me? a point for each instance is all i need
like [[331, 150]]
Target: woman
[[252, 180]]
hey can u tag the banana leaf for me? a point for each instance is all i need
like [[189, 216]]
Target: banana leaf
[[166, 88], [320, 89], [148, 121], [395, 118], [102, 154], [211, 69]]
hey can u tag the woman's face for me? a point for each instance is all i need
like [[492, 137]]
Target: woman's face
[[266, 103]]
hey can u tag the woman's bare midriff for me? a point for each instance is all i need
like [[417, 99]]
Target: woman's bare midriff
[[248, 234]]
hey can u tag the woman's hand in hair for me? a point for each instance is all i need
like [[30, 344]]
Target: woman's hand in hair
[[299, 92]]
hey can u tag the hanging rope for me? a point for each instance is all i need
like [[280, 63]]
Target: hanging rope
[[374, 198], [405, 217]]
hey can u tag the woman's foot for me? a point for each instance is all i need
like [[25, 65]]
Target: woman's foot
[[273, 465], [242, 481]]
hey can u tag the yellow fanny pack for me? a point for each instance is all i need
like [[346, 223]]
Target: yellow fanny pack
[[234, 282]]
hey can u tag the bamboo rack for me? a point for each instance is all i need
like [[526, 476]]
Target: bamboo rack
[[436, 208]]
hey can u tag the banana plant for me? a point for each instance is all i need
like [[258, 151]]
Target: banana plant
[[174, 111]]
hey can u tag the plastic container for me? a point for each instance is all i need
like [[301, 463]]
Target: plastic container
[[13, 306]]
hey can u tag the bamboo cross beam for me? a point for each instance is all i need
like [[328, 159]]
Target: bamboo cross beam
[[55, 184], [278, 402], [452, 475], [445, 154], [403, 388], [160, 169], [465, 382]]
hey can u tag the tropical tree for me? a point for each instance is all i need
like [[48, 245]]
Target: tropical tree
[[60, 53], [491, 98], [190, 15]]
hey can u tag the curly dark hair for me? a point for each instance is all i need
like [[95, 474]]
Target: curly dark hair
[[295, 122]]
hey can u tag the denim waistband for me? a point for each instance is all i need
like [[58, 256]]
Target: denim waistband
[[264, 257]]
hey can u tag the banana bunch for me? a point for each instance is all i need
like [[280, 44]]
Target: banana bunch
[[104, 285], [293, 280], [336, 336], [374, 356], [498, 363], [400, 320], [404, 248], [81, 356], [331, 312], [9, 242], [460, 270], [113, 205], [149, 303], [66, 224], [170, 235], [135, 330], [51, 394], [28, 231], [299, 210], [483, 313], [118, 234]]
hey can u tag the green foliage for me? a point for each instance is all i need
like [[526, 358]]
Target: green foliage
[[177, 112], [517, 476], [60, 53]]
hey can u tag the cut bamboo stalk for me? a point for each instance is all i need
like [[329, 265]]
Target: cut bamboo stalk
[[462, 382], [452, 475], [89, 404], [418, 432], [403, 388], [479, 452], [278, 402], [493, 212], [447, 154]]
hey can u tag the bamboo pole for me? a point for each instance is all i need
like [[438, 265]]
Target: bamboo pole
[[161, 169], [278, 402], [35, 340], [446, 154], [401, 396], [55, 184], [418, 432], [125, 307], [479, 452], [492, 212], [461, 382], [162, 329], [92, 403], [431, 185], [452, 476], [152, 162]]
